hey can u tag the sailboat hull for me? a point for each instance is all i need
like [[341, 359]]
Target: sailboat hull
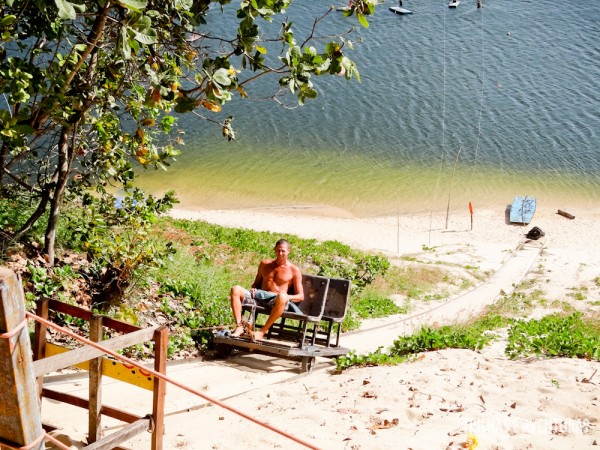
[[400, 10]]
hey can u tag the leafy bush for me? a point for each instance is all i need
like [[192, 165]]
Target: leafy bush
[[428, 339], [372, 305], [116, 235], [376, 358], [41, 282], [554, 335], [14, 212]]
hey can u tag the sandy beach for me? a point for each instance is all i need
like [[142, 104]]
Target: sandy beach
[[441, 400]]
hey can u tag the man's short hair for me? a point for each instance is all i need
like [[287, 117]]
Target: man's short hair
[[282, 241]]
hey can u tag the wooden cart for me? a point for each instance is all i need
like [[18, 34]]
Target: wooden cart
[[315, 331]]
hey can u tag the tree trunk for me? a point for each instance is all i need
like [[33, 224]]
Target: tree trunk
[[63, 168]]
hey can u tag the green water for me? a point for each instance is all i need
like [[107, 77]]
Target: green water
[[332, 182], [512, 88]]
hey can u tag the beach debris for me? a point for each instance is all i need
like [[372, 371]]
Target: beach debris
[[457, 408], [384, 424], [535, 233], [588, 380], [471, 443], [565, 214]]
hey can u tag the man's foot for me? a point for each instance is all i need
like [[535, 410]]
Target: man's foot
[[238, 330], [258, 336]]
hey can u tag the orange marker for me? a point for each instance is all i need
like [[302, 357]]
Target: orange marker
[[471, 211]]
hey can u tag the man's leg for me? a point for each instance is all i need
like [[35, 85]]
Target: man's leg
[[276, 312], [236, 296]]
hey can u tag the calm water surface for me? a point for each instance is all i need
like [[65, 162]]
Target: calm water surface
[[454, 106]]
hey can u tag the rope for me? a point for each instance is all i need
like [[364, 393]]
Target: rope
[[173, 382], [437, 181], [481, 96], [455, 299], [14, 331], [11, 333]]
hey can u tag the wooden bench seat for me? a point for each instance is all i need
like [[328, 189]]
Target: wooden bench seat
[[336, 306], [293, 326]]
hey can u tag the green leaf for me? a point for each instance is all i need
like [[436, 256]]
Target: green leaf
[[66, 11], [185, 104], [221, 76], [362, 20], [147, 37], [310, 93], [7, 20], [134, 5], [125, 48], [261, 50]]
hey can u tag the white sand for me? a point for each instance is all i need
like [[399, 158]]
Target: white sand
[[433, 402]]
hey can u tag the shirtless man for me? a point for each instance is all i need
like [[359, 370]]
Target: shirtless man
[[270, 288]]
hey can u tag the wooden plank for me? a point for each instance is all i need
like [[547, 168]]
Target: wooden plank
[[20, 421], [129, 431], [85, 353], [109, 411], [112, 368], [161, 344], [95, 384], [109, 322]]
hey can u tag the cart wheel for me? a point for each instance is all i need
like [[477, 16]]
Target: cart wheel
[[307, 363], [223, 351]]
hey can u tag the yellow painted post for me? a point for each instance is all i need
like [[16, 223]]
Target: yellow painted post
[[20, 419]]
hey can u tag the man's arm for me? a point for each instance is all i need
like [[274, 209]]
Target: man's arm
[[259, 277], [298, 296]]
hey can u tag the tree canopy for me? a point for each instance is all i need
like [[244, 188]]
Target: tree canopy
[[92, 88]]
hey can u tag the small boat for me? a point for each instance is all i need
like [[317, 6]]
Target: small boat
[[522, 209], [399, 9], [453, 3]]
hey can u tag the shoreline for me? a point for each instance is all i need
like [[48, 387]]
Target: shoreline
[[490, 236]]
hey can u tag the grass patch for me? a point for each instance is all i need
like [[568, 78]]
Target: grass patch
[[558, 335], [209, 259], [554, 335]]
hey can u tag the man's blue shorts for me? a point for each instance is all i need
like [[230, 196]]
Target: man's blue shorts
[[261, 298], [266, 299]]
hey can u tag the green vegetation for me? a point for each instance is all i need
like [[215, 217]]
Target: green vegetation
[[93, 90], [181, 270], [209, 259], [552, 336]]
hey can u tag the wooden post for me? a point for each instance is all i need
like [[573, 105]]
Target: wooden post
[[39, 339], [161, 343], [95, 384], [20, 419]]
